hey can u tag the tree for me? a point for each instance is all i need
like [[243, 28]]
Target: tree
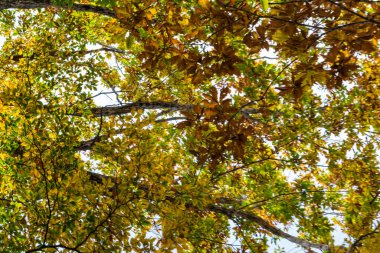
[[207, 137]]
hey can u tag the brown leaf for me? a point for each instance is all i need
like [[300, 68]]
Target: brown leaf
[[214, 93], [197, 78], [224, 92]]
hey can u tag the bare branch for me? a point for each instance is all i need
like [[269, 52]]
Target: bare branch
[[38, 4], [111, 48], [56, 247], [234, 213], [127, 108], [170, 119]]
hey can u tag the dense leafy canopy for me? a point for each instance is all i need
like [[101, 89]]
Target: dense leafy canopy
[[222, 124]]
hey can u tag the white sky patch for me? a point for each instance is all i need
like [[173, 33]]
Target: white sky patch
[[2, 40], [320, 92], [269, 55]]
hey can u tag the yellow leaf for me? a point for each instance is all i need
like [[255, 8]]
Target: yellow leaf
[[183, 22], [121, 12], [152, 11], [203, 3], [149, 16], [280, 36]]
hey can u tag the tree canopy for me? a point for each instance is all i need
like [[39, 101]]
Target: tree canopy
[[189, 126]]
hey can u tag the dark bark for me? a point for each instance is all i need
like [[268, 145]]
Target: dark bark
[[154, 105], [38, 4], [127, 108], [89, 144]]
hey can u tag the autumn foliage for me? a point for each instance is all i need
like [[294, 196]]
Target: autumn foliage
[[189, 126]]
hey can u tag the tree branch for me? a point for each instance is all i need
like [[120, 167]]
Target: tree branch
[[231, 213], [89, 144], [354, 13], [127, 108], [56, 247], [357, 243], [38, 4], [234, 213], [154, 105]]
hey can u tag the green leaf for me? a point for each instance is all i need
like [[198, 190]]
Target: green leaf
[[265, 5]]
